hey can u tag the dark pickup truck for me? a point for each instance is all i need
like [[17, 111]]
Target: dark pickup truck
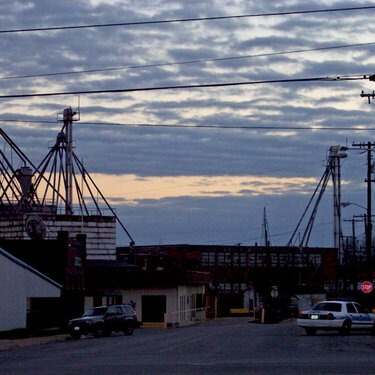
[[102, 320]]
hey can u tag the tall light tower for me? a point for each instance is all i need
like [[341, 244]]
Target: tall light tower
[[68, 126], [333, 169], [335, 154]]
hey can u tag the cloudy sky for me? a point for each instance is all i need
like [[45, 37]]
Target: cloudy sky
[[194, 184]]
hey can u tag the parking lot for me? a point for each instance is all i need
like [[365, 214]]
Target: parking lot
[[225, 346]]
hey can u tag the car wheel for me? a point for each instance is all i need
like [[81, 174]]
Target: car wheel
[[310, 331], [98, 331], [75, 335], [128, 330], [346, 328], [107, 332]]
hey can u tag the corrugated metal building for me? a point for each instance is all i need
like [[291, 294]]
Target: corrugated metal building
[[100, 231], [19, 283]]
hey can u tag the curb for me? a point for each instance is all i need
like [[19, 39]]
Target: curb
[[9, 344]]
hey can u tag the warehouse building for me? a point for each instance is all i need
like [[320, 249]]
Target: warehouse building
[[20, 284]]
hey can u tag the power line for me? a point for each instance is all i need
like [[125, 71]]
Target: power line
[[189, 62], [234, 127], [163, 88], [225, 127], [247, 239], [184, 20]]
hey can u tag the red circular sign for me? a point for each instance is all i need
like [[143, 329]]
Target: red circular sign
[[366, 287]]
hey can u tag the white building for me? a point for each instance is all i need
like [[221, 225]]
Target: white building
[[18, 284], [160, 306]]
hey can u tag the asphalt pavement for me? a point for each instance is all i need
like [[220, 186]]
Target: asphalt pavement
[[9, 344], [229, 346], [14, 343]]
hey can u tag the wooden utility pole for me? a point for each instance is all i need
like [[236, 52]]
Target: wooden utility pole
[[369, 148]]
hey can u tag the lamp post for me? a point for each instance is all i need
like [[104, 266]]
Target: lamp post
[[346, 204]]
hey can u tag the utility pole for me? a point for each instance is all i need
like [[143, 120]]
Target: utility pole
[[354, 245], [368, 96], [352, 266], [369, 148], [354, 240], [371, 95], [265, 230]]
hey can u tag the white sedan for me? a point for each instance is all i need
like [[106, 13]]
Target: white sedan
[[336, 315]]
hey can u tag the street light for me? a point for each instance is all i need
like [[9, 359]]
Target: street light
[[346, 204]]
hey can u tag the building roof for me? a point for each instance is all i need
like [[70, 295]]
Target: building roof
[[27, 267], [109, 263]]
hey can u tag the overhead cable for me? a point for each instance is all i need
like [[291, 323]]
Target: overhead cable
[[185, 87], [138, 23], [190, 62], [225, 127]]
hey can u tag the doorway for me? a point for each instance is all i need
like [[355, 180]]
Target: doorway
[[154, 308]]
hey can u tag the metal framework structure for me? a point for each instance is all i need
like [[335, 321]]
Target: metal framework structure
[[57, 182], [18, 194], [333, 170]]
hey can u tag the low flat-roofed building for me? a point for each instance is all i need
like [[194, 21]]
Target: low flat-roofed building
[[245, 276]]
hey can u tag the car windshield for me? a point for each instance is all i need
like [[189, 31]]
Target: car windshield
[[328, 306], [128, 309], [95, 311]]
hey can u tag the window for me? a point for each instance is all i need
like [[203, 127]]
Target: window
[[77, 261], [96, 311], [221, 260], [204, 259], [110, 300], [228, 258], [243, 259], [111, 310], [328, 306], [128, 309], [360, 309], [251, 259], [350, 307], [119, 310], [208, 259], [118, 300], [199, 301]]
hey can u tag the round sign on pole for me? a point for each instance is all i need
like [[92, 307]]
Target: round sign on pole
[[366, 287]]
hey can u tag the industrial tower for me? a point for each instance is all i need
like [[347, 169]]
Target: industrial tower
[[333, 169], [36, 202]]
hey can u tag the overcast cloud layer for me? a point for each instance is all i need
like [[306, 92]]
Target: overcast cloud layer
[[197, 185]]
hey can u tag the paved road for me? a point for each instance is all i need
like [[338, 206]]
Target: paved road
[[227, 346]]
